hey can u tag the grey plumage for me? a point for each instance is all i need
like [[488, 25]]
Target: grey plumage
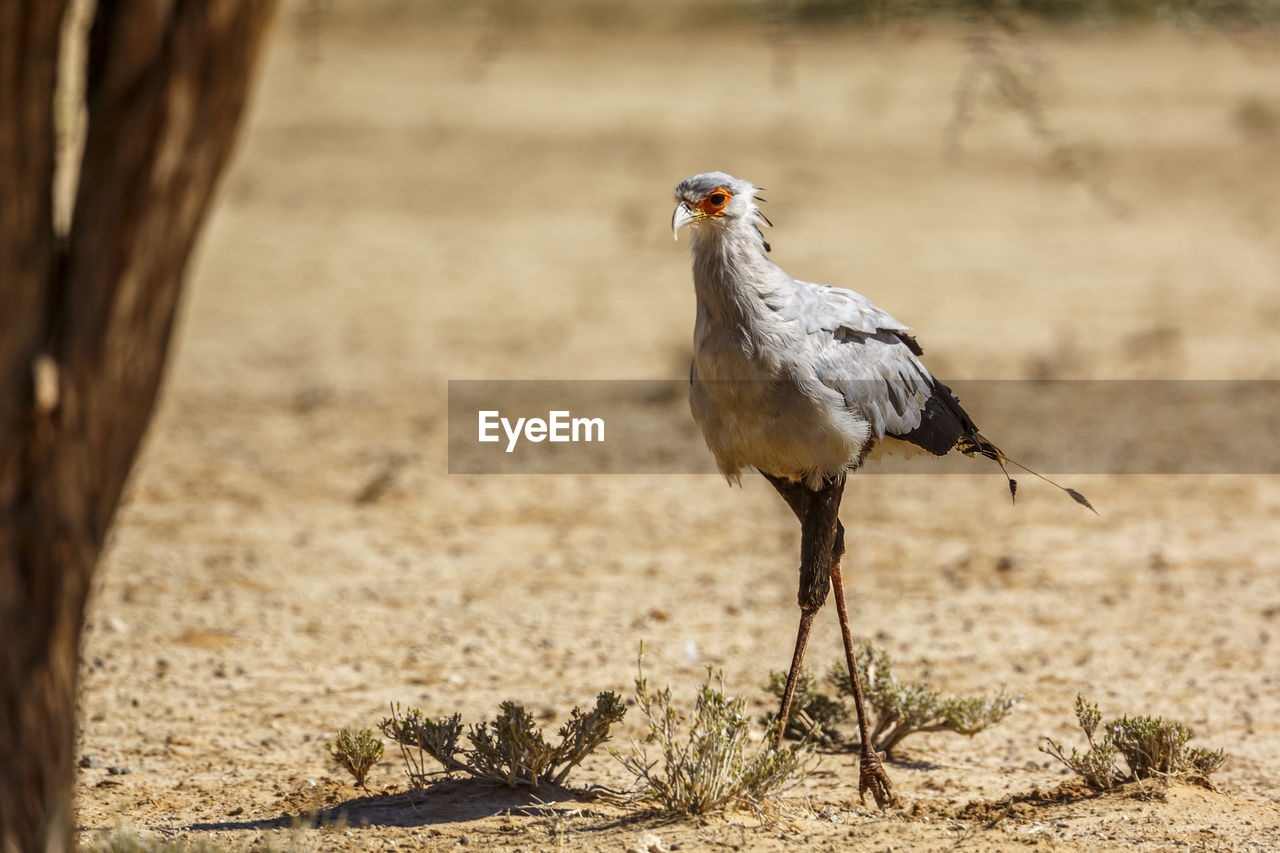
[[799, 380]]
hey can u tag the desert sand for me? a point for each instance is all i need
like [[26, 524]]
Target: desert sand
[[416, 201]]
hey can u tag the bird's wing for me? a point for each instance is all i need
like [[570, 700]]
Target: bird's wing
[[820, 308], [870, 359]]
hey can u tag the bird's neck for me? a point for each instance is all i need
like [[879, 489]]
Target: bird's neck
[[733, 280]]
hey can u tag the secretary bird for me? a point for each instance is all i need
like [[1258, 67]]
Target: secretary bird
[[803, 382]]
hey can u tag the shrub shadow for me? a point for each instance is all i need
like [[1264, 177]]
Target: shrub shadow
[[447, 801]]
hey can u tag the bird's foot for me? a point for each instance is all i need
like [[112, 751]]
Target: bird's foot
[[871, 777]]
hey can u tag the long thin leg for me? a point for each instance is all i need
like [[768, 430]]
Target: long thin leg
[[797, 495], [820, 533], [821, 548], [871, 772], [802, 640]]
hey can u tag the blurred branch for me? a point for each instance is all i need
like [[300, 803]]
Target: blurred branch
[[998, 52]]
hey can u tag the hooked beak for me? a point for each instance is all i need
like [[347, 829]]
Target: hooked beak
[[684, 214]]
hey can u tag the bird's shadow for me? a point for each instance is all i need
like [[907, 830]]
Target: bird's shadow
[[447, 801]]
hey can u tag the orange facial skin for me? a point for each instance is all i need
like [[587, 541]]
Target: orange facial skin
[[714, 202]]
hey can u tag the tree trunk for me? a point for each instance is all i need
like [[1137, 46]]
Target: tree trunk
[[85, 320]]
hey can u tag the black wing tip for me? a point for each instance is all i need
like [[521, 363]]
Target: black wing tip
[[945, 426]]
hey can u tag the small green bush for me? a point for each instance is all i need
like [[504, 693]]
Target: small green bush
[[357, 752], [1150, 747], [706, 768], [509, 749], [896, 709]]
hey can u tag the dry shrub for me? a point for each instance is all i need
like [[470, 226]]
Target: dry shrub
[[706, 768], [358, 752], [1150, 746], [509, 749], [896, 708]]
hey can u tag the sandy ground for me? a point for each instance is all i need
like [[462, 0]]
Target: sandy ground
[[415, 203]]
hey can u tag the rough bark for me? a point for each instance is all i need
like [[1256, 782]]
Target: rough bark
[[85, 323]]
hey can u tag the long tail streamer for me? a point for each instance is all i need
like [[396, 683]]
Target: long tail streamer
[[979, 443]]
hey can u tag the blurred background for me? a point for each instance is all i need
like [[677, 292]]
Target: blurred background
[[480, 190], [429, 191]]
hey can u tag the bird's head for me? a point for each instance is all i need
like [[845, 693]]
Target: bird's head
[[716, 200]]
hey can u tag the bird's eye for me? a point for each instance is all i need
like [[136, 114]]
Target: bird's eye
[[717, 198]]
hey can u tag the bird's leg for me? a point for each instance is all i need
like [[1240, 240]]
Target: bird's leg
[[797, 495], [822, 546], [818, 512], [871, 775], [802, 640], [818, 532]]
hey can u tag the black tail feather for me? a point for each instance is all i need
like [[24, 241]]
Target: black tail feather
[[945, 426], [978, 443]]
